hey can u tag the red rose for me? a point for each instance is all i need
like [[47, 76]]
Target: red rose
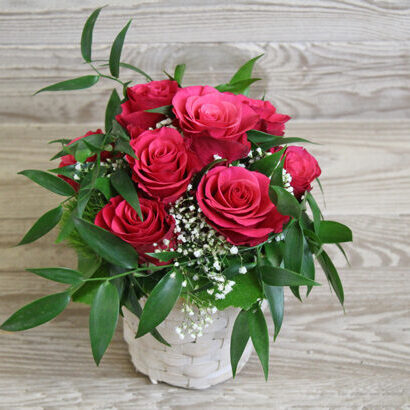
[[70, 160], [143, 97], [164, 166], [269, 120], [122, 220], [236, 203], [302, 167], [214, 122]]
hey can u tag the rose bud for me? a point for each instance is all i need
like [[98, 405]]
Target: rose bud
[[236, 203], [302, 167]]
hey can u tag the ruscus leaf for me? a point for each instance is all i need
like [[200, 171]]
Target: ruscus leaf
[[103, 319], [116, 49], [78, 83], [107, 245], [87, 35], [275, 276], [334, 232], [43, 225], [285, 202], [113, 108], [36, 313], [160, 302], [274, 295], [239, 339], [49, 181], [62, 275]]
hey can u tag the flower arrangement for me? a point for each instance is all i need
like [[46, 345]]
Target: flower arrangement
[[190, 194]]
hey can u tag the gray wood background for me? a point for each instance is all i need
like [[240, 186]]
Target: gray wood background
[[341, 70]]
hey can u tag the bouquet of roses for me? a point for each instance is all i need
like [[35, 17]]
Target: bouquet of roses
[[190, 193]]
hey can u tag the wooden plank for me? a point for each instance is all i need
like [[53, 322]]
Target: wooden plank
[[305, 80], [378, 241], [322, 356], [363, 165], [160, 21]]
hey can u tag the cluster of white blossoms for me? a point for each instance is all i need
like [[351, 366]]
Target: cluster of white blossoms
[[287, 179], [81, 169], [195, 321], [204, 247]]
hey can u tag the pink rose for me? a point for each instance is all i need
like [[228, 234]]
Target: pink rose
[[302, 167], [70, 160], [122, 220], [236, 203], [165, 165], [143, 97], [214, 122], [270, 121]]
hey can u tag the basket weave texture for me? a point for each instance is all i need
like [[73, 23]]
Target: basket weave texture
[[189, 363]]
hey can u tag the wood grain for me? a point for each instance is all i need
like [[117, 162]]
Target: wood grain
[[323, 80], [59, 22], [365, 166], [321, 357]]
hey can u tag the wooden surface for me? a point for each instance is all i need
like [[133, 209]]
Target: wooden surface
[[340, 68]]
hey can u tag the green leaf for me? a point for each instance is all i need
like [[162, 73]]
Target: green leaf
[[82, 152], [116, 49], [87, 35], [268, 164], [317, 215], [164, 256], [275, 276], [43, 225], [239, 339], [62, 275], [246, 291], [267, 141], [293, 252], [160, 302], [260, 338], [285, 202], [179, 73], [308, 265], [245, 72], [60, 141], [124, 146], [165, 110], [273, 253], [118, 131], [103, 184], [137, 70], [134, 306], [67, 228], [36, 313], [113, 108], [89, 266], [107, 245], [103, 319], [274, 295], [334, 232], [122, 182], [239, 87], [78, 83], [331, 275], [49, 181]]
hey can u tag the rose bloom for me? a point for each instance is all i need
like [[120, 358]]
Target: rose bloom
[[143, 97], [214, 122], [270, 121], [236, 203], [123, 221], [165, 165], [70, 160], [302, 167]]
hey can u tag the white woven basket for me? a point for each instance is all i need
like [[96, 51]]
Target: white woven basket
[[192, 364]]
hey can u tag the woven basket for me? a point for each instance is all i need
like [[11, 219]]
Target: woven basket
[[188, 363]]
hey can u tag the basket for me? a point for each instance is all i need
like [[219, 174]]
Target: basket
[[189, 363]]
